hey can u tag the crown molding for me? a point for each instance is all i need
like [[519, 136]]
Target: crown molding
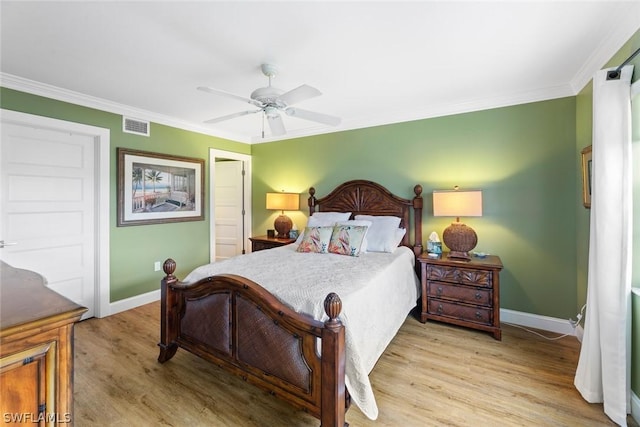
[[623, 32], [41, 89], [11, 81], [389, 118]]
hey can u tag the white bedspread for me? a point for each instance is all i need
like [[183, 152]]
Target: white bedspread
[[377, 291]]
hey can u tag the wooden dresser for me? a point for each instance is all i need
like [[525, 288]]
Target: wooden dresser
[[260, 243], [36, 350], [464, 293]]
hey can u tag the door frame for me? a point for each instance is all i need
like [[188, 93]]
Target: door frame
[[221, 154], [102, 140]]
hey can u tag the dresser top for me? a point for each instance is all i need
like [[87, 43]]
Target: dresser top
[[489, 261], [27, 300]]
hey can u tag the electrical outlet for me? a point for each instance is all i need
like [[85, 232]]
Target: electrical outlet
[[575, 323], [156, 266]]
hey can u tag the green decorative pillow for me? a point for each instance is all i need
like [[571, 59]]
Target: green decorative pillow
[[347, 239], [315, 239]]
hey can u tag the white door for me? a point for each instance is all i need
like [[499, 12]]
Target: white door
[[47, 207], [234, 221], [229, 211]]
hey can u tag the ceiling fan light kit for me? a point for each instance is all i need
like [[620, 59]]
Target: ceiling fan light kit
[[271, 112], [271, 101]]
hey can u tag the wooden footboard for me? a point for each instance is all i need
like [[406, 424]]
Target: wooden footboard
[[238, 325]]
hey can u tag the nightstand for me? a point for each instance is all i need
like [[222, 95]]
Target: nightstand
[[464, 293], [263, 242]]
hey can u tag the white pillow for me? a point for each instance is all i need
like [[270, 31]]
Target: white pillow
[[400, 232], [363, 246], [381, 236], [332, 216], [324, 219]]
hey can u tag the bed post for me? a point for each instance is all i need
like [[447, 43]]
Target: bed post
[[311, 201], [333, 405], [417, 218], [168, 316]]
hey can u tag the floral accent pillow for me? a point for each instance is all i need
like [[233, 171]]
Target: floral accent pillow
[[315, 239], [347, 239]]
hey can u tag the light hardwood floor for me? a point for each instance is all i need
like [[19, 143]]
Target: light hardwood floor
[[430, 375]]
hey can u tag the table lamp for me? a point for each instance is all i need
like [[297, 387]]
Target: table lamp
[[459, 238], [283, 202]]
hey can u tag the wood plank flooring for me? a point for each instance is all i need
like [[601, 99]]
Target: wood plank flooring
[[431, 375]]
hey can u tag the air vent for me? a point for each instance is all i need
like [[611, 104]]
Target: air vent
[[138, 127]]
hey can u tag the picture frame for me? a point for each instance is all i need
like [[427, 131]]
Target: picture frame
[[156, 188], [586, 176]]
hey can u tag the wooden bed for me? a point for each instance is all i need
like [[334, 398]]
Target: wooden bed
[[238, 325]]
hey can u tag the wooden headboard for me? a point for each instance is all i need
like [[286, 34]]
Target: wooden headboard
[[363, 197]]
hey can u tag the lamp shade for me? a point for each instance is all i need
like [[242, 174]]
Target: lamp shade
[[459, 238], [457, 203], [283, 201]]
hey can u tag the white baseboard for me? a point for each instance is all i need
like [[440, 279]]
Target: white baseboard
[[536, 321], [133, 302]]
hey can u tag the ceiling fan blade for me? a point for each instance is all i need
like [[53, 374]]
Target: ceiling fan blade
[[301, 93], [313, 116], [231, 116], [230, 95], [276, 125]]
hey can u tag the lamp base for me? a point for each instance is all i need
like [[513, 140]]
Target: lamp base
[[460, 239], [283, 225]]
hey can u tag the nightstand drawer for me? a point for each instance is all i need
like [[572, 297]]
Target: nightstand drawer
[[260, 243], [460, 293], [466, 276], [260, 246], [461, 312]]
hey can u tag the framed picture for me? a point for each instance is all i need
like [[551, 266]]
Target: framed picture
[[586, 177], [156, 188]]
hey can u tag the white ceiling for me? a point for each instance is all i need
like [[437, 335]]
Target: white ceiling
[[375, 62]]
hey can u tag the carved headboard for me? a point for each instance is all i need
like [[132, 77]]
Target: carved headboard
[[363, 197]]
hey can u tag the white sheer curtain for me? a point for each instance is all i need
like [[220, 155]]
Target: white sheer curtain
[[603, 373]]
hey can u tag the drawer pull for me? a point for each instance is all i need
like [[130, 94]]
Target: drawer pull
[[439, 290], [478, 315], [478, 295], [440, 309]]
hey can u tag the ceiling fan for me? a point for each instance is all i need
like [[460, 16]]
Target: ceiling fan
[[273, 101]]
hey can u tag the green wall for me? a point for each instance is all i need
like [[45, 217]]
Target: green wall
[[134, 249], [522, 157]]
